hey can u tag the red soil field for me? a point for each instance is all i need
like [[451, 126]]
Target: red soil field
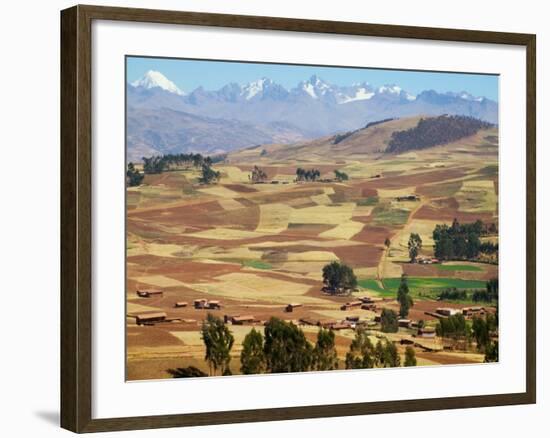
[[240, 188], [359, 255], [395, 182]]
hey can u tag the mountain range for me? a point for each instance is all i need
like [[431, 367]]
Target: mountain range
[[162, 118]]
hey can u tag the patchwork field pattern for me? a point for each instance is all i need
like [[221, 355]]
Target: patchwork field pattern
[[258, 247]]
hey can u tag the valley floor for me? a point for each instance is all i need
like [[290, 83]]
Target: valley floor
[[258, 247]]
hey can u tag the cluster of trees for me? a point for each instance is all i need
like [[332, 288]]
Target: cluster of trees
[[338, 278], [481, 330], [284, 348], [414, 245], [377, 122], [452, 294], [341, 137], [460, 241], [218, 341], [487, 295], [363, 354], [454, 327], [435, 131], [488, 248], [340, 176], [208, 175], [160, 163], [404, 299], [307, 174], [388, 321], [258, 175], [187, 372], [490, 293], [133, 176]]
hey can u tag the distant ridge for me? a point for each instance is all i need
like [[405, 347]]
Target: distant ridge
[[273, 114]]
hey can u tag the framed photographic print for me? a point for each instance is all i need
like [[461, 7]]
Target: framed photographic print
[[268, 218]]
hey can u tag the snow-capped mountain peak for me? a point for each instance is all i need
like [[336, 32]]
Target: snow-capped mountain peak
[[358, 91], [155, 79], [253, 88], [315, 87], [389, 89], [467, 96]]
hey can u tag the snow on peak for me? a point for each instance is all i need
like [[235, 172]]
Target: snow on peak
[[361, 93], [309, 89], [389, 89], [155, 79], [316, 87], [467, 96], [251, 89]]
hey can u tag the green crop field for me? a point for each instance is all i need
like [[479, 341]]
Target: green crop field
[[371, 200], [386, 215], [369, 283], [420, 286], [459, 268], [416, 283], [257, 264]]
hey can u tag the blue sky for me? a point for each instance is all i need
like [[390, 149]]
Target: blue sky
[[212, 75]]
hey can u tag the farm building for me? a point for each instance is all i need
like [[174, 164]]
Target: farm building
[[200, 303], [470, 312], [180, 304], [150, 317], [446, 311], [408, 198], [427, 260], [340, 326], [203, 303], [213, 304], [328, 323], [426, 332], [351, 305], [290, 307], [308, 321], [242, 319], [370, 306], [404, 323], [148, 293]]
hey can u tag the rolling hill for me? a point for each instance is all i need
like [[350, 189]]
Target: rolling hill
[[374, 140]]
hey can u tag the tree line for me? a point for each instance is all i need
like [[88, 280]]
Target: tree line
[[341, 137], [284, 348], [133, 176], [462, 241], [161, 163], [487, 295], [307, 174], [481, 330], [435, 131]]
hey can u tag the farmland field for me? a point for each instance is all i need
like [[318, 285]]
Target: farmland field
[[256, 247]]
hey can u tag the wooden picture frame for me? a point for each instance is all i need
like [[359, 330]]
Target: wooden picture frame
[[76, 217]]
